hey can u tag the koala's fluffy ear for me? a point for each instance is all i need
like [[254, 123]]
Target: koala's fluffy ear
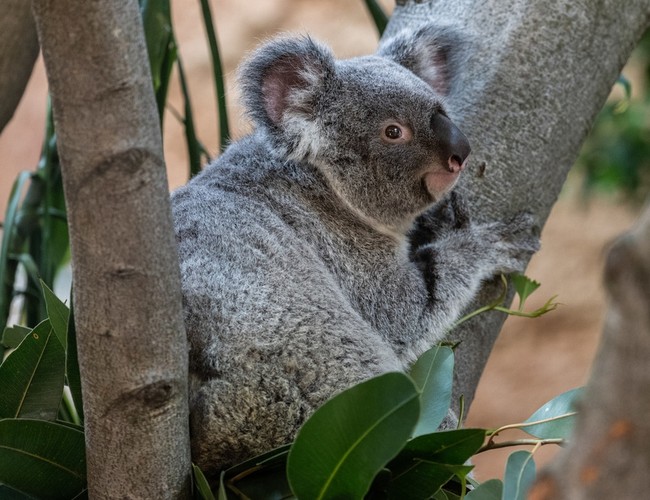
[[427, 52], [285, 76]]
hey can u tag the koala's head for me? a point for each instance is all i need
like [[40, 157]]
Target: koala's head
[[375, 126]]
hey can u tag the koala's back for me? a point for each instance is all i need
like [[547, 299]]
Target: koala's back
[[273, 330]]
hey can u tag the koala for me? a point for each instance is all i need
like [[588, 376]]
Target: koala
[[325, 247]]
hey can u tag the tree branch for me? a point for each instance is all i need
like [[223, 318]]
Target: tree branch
[[18, 51], [529, 79], [131, 339]]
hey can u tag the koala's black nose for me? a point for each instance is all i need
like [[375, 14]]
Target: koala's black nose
[[452, 146]]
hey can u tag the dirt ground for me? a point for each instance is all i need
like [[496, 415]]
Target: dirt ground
[[534, 360]]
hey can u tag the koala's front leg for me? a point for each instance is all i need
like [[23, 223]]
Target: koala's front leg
[[464, 254]]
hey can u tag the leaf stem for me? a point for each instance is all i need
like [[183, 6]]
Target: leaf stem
[[491, 445], [496, 432]]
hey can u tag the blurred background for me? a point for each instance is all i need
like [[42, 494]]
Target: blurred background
[[534, 359]]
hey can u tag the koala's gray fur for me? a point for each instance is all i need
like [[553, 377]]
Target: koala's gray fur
[[303, 270]]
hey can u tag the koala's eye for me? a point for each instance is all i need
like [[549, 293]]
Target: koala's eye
[[395, 133]]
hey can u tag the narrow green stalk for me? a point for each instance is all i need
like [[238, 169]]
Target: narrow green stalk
[[217, 68], [9, 245], [378, 15], [521, 425], [193, 146], [520, 442], [70, 407]]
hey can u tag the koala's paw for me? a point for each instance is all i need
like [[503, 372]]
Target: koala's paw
[[506, 247], [448, 215], [513, 242]]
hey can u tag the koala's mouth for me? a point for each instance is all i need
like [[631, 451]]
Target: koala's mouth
[[438, 181]]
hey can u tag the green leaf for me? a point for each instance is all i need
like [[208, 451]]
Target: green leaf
[[273, 457], [428, 462], [161, 47], [263, 476], [489, 490], [557, 417], [14, 335], [57, 312], [451, 447], [520, 474], [524, 286], [347, 441], [424, 478], [268, 482], [201, 485], [440, 495], [222, 488], [433, 374], [7, 493], [32, 376], [43, 459], [450, 495]]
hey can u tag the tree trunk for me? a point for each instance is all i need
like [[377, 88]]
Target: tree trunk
[[131, 339], [18, 51], [609, 456], [529, 80]]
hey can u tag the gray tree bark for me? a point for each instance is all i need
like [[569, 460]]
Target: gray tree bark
[[131, 339], [18, 51], [609, 456], [528, 81]]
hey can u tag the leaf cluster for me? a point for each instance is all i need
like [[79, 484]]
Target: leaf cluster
[[380, 439], [42, 447]]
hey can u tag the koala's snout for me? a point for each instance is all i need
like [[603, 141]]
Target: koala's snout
[[452, 144]]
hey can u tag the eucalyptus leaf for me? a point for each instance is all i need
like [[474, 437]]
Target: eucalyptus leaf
[[557, 417], [519, 476], [42, 459], [12, 336], [440, 495], [433, 374], [261, 476], [423, 478], [428, 462], [524, 286], [201, 485], [273, 457], [57, 312], [453, 447], [7, 493], [161, 47], [222, 495], [489, 490], [32, 376], [268, 483], [348, 440]]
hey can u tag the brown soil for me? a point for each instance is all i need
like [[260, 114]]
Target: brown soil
[[534, 360]]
